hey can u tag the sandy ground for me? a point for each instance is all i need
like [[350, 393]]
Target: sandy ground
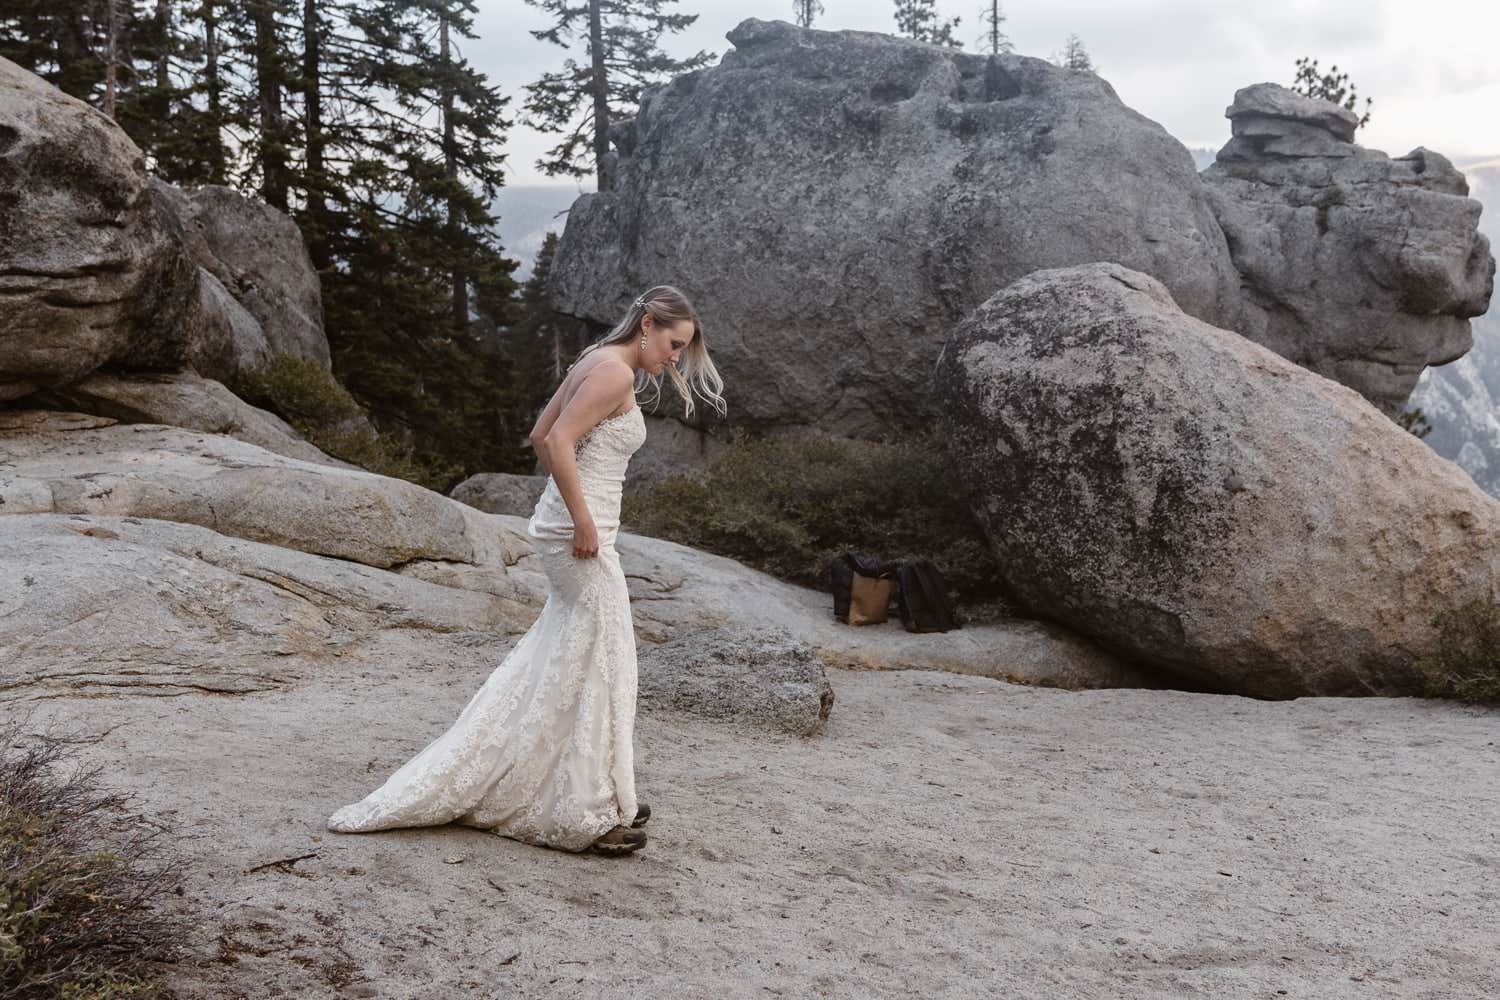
[[945, 836]]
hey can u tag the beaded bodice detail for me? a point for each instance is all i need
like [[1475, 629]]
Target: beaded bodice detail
[[604, 450]]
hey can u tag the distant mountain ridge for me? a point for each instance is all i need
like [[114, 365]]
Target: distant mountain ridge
[[526, 214], [1460, 399]]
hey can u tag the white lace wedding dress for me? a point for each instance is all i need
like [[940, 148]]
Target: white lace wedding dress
[[543, 752]]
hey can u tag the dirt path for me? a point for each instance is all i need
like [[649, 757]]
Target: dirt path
[[946, 836]]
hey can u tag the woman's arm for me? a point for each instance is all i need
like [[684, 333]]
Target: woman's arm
[[544, 422], [595, 398]]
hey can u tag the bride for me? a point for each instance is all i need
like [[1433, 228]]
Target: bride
[[544, 751]]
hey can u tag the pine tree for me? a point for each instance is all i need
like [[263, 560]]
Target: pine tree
[[62, 41], [275, 135], [1074, 56], [160, 111], [362, 120], [622, 57], [543, 342], [805, 11], [135, 61], [994, 40], [919, 19], [410, 231], [1331, 86]]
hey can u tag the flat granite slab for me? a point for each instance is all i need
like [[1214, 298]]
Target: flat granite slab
[[944, 835]]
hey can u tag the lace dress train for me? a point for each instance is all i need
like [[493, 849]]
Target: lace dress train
[[544, 750]]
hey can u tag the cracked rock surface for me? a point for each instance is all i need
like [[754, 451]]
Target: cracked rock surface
[[1361, 267], [834, 201]]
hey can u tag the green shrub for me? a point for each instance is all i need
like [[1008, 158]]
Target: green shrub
[[301, 391], [788, 506], [307, 396], [1464, 662], [1415, 421], [78, 881]]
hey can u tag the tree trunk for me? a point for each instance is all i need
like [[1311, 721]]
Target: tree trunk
[[216, 164], [268, 85], [317, 207], [600, 87], [163, 62], [111, 42], [450, 171]]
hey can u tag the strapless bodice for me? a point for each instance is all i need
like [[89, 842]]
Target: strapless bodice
[[604, 451], [602, 455]]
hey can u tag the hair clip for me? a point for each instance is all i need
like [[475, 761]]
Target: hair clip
[[640, 302]]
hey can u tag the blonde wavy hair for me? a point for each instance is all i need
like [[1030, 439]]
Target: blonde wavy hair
[[669, 306]]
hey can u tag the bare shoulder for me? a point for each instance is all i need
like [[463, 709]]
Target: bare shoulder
[[606, 378], [614, 372]]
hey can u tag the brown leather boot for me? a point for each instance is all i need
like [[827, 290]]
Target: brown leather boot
[[620, 840]]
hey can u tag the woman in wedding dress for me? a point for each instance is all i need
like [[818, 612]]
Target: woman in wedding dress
[[544, 750]]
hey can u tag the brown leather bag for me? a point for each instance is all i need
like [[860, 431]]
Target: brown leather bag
[[869, 599]]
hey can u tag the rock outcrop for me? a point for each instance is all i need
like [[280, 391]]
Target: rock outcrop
[[501, 492], [69, 464], [1186, 496], [1461, 400], [257, 257], [1357, 266], [98, 605], [87, 273], [769, 677], [91, 471], [102, 265], [180, 399], [835, 201]]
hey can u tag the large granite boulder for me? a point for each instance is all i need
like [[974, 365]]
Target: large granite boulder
[[835, 201], [1188, 497], [257, 256], [103, 265], [1357, 266], [87, 272]]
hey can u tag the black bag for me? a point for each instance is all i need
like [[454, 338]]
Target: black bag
[[842, 570], [922, 598]]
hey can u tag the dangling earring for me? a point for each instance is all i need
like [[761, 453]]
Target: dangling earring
[[643, 343]]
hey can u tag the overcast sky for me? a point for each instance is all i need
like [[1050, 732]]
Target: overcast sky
[[1432, 67]]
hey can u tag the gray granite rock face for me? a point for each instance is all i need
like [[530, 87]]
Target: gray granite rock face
[[835, 201], [757, 674], [1261, 101], [102, 264], [257, 254], [1462, 400], [1183, 495], [501, 493], [1354, 265], [87, 273], [61, 463], [227, 341], [179, 399]]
